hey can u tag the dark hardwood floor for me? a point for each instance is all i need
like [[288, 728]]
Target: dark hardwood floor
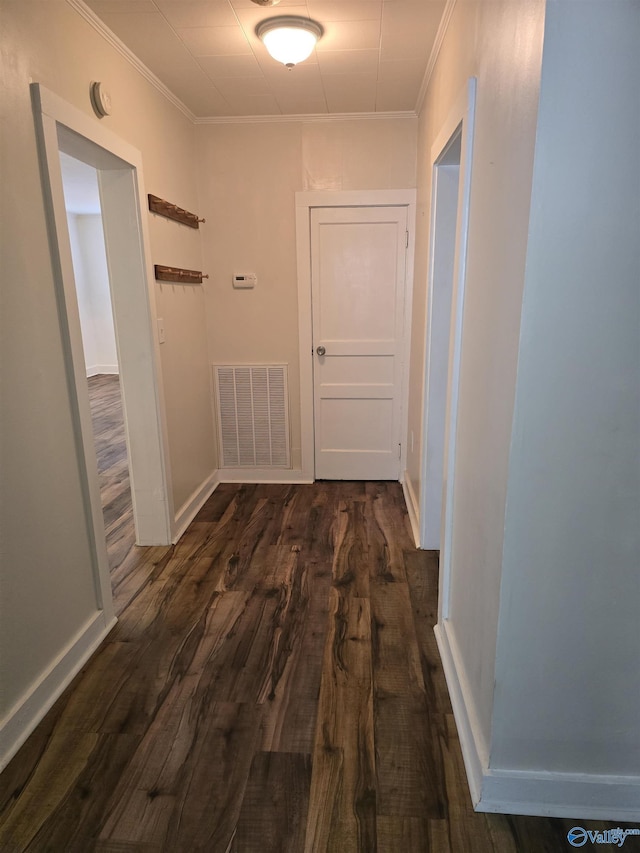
[[273, 684]]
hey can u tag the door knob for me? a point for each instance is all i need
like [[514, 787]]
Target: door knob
[[321, 350]]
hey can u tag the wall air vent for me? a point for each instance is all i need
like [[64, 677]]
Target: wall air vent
[[253, 415]]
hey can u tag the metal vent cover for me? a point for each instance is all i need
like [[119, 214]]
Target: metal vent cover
[[253, 415]]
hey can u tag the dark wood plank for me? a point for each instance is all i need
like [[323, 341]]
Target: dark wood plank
[[406, 768], [342, 806], [350, 565], [468, 831], [185, 792], [76, 822], [412, 835], [290, 710], [387, 533], [47, 790], [274, 808], [396, 655]]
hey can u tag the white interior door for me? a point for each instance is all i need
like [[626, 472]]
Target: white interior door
[[358, 266]]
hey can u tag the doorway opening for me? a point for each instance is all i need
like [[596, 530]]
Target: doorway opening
[[446, 185], [451, 158], [64, 130], [93, 292]]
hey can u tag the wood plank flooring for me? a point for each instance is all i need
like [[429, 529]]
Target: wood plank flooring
[[273, 684], [113, 465]]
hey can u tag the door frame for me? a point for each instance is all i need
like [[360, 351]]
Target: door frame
[[61, 126], [306, 201], [461, 115], [445, 194]]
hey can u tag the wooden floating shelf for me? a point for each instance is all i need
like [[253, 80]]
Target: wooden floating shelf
[[172, 211], [180, 275]]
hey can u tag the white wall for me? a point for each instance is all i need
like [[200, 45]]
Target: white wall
[[48, 593], [500, 43], [567, 676], [94, 298], [542, 641], [249, 176]]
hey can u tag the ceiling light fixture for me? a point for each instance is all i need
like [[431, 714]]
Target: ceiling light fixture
[[289, 39]]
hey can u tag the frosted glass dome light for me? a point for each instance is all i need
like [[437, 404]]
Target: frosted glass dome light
[[289, 39]]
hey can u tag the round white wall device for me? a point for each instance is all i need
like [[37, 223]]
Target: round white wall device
[[100, 100]]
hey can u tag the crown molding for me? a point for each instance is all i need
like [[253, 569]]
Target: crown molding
[[111, 38], [435, 50], [84, 11], [307, 117]]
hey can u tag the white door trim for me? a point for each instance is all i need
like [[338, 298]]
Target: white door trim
[[54, 118], [305, 202], [462, 112]]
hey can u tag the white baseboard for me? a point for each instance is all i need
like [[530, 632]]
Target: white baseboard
[[99, 369], [192, 506], [263, 475], [474, 748], [577, 796], [412, 507], [25, 715]]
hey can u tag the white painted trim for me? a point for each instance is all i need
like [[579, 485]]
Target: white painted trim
[[307, 118], [263, 475], [578, 796], [426, 352], [408, 315], [435, 52], [30, 709], [463, 111], [468, 98], [69, 319], [412, 507], [69, 116], [192, 506], [109, 36], [356, 198], [305, 202], [103, 369], [474, 749], [305, 337]]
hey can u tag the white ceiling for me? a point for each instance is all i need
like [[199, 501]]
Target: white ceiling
[[371, 58]]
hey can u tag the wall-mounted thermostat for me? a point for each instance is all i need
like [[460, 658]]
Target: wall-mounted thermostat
[[245, 279]]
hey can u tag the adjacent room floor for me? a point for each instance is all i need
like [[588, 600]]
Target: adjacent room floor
[[273, 684]]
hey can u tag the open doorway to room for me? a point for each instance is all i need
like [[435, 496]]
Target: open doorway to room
[[91, 273], [446, 184], [62, 129], [451, 159]]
